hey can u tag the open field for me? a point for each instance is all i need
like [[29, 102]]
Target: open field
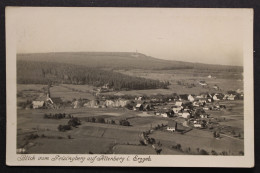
[[92, 137], [108, 138], [232, 117], [70, 92], [199, 139], [189, 77]]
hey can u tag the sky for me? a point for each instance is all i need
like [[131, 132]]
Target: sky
[[214, 36]]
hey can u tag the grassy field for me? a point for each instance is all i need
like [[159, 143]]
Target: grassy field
[[88, 137], [189, 77], [70, 92], [199, 139], [108, 138]]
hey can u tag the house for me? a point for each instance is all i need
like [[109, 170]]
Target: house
[[165, 113], [75, 104], [147, 107], [140, 98], [231, 97], [202, 101], [121, 103], [239, 91], [172, 126], [197, 125], [225, 96], [38, 104], [185, 114], [92, 104], [210, 100], [102, 90], [203, 83], [204, 115], [176, 109], [196, 104], [215, 87], [191, 98], [106, 86], [139, 107], [206, 108], [217, 97], [199, 112], [178, 103], [109, 103]]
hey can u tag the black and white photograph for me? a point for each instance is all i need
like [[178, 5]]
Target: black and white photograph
[[145, 83]]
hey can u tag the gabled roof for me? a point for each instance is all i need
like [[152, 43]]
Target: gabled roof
[[38, 103], [178, 103], [138, 105]]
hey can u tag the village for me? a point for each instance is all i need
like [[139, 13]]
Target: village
[[188, 109]]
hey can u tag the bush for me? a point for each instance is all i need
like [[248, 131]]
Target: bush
[[224, 153], [32, 136], [213, 152], [63, 128], [178, 146], [100, 120], [93, 119], [74, 122], [241, 153], [124, 123], [203, 152], [142, 142]]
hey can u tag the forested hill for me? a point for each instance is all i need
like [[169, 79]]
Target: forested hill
[[119, 60], [34, 72]]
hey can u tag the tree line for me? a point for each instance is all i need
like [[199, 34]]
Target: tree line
[[32, 72]]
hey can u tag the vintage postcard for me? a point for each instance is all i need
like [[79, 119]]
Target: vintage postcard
[[166, 87]]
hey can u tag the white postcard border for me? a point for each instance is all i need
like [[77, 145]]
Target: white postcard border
[[13, 159]]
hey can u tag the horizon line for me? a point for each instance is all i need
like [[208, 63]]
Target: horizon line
[[134, 52]]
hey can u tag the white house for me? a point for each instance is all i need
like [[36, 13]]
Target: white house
[[231, 97], [37, 104], [197, 125], [139, 107], [140, 98], [196, 104], [203, 83], [165, 115], [204, 116], [216, 87], [217, 97], [178, 103], [185, 114], [191, 98], [176, 109]]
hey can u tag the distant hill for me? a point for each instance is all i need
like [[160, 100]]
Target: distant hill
[[118, 60]]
